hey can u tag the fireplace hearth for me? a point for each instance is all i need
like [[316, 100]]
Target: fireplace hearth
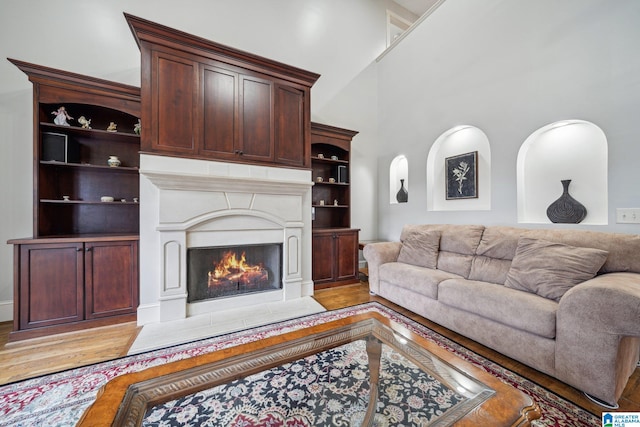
[[220, 272]]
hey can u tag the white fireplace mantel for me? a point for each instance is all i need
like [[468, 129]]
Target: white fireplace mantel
[[175, 181], [197, 203]]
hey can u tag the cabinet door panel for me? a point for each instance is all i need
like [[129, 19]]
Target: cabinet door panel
[[256, 142], [290, 128], [347, 255], [51, 284], [174, 103], [220, 112], [111, 278], [323, 258]]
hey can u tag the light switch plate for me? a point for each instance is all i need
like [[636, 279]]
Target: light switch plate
[[628, 215]]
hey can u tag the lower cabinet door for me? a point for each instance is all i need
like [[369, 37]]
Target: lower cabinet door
[[335, 257], [51, 284], [347, 255], [111, 282], [323, 258]]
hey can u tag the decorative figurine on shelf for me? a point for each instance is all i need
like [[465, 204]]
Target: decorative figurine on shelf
[[112, 127], [137, 127], [61, 117], [113, 161], [84, 122]]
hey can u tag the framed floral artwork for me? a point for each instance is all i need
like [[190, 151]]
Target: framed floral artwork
[[462, 176]]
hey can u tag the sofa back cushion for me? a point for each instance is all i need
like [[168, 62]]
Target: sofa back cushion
[[494, 254], [420, 247], [458, 244], [623, 248], [498, 247], [550, 269]]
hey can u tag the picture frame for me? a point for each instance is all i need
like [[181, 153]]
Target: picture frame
[[461, 180]]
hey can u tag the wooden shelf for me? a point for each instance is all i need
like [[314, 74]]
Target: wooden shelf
[[329, 160], [332, 183], [111, 169], [95, 133], [84, 202]]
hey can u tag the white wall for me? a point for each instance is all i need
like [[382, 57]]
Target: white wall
[[510, 67], [335, 38]]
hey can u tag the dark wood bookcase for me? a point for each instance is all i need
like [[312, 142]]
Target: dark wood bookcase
[[335, 243], [80, 268]]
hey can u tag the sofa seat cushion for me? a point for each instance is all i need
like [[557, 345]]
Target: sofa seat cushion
[[521, 310], [423, 281]]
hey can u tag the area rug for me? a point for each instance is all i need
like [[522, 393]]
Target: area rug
[[60, 399]]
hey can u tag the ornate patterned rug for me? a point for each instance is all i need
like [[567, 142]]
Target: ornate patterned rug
[[60, 399]]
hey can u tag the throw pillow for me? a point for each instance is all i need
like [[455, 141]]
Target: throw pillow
[[551, 269], [420, 248]]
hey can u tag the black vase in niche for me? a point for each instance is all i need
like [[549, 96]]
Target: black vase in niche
[[403, 195], [566, 209]]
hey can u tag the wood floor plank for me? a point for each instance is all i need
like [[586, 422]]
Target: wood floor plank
[[38, 356]]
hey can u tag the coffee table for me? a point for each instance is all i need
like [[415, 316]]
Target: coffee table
[[483, 399]]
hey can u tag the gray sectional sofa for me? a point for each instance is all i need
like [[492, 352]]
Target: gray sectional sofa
[[565, 302]]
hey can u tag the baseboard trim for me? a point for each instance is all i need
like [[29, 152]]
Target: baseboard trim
[[148, 313], [6, 311]]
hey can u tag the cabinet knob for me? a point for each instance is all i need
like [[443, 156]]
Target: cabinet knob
[[88, 249]]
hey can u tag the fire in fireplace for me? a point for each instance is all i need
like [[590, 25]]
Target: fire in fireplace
[[217, 272]]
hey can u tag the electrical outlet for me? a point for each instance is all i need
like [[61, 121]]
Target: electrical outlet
[[628, 215]]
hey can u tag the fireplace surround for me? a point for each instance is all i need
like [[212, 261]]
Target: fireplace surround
[[192, 203]]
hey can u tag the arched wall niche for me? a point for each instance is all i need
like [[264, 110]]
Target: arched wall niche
[[567, 149], [399, 169], [455, 141]]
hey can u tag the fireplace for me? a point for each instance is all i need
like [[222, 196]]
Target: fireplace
[[192, 204], [219, 272]]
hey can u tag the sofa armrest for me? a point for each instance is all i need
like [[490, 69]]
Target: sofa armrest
[[598, 334], [609, 303], [377, 254]]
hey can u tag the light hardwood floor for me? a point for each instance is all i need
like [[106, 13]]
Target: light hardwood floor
[[39, 356]]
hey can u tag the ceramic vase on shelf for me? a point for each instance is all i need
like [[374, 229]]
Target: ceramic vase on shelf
[[113, 161], [403, 195], [566, 209]]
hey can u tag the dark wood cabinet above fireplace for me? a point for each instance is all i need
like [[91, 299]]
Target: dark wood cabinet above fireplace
[[204, 100]]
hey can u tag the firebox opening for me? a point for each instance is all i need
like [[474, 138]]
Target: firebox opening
[[225, 271]]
